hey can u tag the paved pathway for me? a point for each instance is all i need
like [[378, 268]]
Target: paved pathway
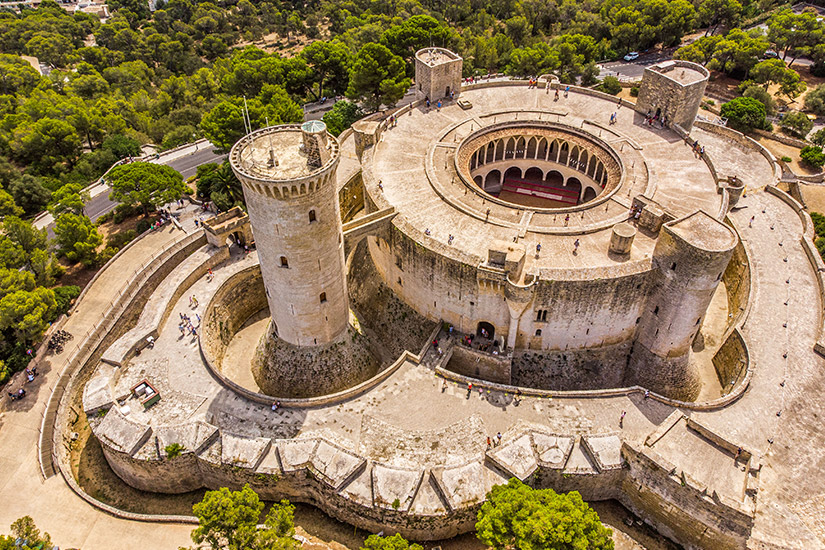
[[54, 507]]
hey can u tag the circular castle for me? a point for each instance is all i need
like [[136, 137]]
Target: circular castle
[[514, 242]]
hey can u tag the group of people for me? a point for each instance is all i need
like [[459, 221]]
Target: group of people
[[494, 442], [613, 118], [650, 119], [698, 150], [635, 211], [186, 326]]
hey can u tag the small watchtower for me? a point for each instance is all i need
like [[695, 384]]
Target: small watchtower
[[673, 90], [437, 73]]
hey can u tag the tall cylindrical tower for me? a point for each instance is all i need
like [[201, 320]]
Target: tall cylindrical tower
[[288, 177], [690, 258]]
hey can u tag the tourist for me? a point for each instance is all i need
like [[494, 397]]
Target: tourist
[[566, 220], [647, 394], [538, 248], [556, 97], [489, 443], [575, 245], [566, 91], [439, 105], [498, 439], [276, 405], [750, 223], [621, 419]]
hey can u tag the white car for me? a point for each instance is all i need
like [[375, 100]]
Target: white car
[[632, 56]]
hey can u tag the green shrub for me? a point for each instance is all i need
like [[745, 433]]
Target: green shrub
[[813, 156], [119, 239], [797, 124], [786, 159], [123, 211], [634, 91], [610, 85], [174, 450], [106, 255], [5, 372], [744, 114], [819, 224], [143, 226], [105, 217], [64, 295]]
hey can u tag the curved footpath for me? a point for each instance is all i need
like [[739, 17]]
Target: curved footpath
[[52, 504]]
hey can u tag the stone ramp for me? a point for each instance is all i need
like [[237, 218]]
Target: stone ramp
[[159, 305], [735, 159]]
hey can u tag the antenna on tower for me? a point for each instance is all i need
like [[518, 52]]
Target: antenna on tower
[[272, 160], [247, 121]]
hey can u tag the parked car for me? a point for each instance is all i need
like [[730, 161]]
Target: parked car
[[632, 56], [770, 54]]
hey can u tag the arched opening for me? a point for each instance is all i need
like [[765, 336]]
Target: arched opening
[[554, 151], [533, 175], [479, 181], [486, 330], [520, 147], [499, 154], [582, 166], [284, 262], [492, 184], [573, 184], [491, 152], [510, 148], [513, 174], [538, 332], [531, 148], [554, 178], [323, 297], [574, 156], [591, 170], [564, 153], [589, 194], [312, 217], [542, 149], [473, 161]]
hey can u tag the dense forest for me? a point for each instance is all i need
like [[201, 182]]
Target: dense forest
[[185, 70]]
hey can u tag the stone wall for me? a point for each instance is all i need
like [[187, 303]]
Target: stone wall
[[232, 304], [479, 364], [351, 197], [283, 369], [660, 90], [587, 369], [384, 316], [731, 361], [737, 279], [679, 507]]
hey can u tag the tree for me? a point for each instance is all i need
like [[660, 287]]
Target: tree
[[818, 137], [341, 117], [611, 85], [27, 313], [713, 13], [24, 234], [797, 124], [774, 71], [739, 51], [46, 144], [395, 542], [815, 100], [149, 185], [794, 33], [516, 516], [329, 62], [77, 237], [744, 113], [699, 51], [813, 156], [69, 198], [227, 520], [761, 94], [121, 146], [377, 77], [30, 194], [7, 205], [25, 531]]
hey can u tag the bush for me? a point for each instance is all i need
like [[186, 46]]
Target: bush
[[5, 372], [634, 91], [174, 450], [143, 226], [761, 94], [107, 254], [744, 114], [64, 295], [119, 239], [123, 211], [819, 224], [786, 159], [797, 124], [815, 100], [813, 156], [610, 85]]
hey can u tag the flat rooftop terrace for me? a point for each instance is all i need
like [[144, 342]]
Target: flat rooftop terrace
[[682, 75], [415, 161]]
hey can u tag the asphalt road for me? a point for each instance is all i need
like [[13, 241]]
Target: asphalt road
[[187, 166], [633, 70]]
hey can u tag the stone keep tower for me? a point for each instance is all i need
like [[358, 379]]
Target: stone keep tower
[[437, 73], [690, 258], [674, 89], [288, 177]]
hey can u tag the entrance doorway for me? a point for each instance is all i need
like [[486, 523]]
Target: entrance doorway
[[485, 330], [447, 93]]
